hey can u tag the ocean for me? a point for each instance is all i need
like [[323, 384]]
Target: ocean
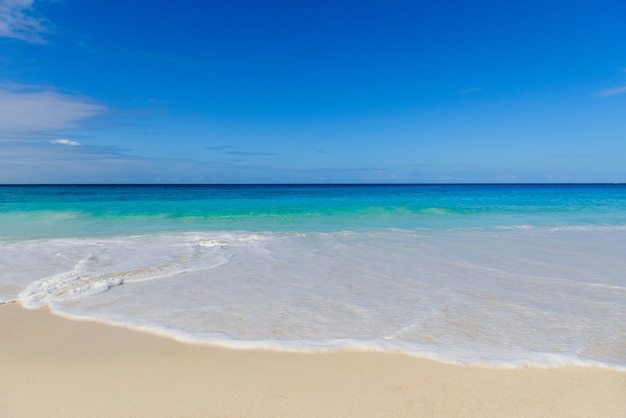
[[495, 275]]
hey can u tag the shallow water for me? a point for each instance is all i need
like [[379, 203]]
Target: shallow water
[[504, 275]]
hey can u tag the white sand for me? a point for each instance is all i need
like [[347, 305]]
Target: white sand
[[50, 366]]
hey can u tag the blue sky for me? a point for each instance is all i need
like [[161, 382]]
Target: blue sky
[[282, 91]]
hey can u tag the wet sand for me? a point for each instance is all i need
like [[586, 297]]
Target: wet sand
[[51, 366]]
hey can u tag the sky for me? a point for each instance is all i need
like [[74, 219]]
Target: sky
[[270, 91]]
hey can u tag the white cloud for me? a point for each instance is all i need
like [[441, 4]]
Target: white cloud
[[17, 21], [611, 92], [65, 142], [471, 90], [26, 111]]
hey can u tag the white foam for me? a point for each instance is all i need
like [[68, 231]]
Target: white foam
[[506, 298], [105, 263]]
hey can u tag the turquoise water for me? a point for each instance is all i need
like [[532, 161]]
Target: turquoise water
[[502, 275], [65, 211]]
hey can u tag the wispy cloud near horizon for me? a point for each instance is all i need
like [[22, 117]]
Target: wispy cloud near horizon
[[29, 111], [472, 90], [64, 141], [232, 150], [610, 92], [17, 21]]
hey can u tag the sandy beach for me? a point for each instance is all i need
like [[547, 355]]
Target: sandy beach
[[53, 366]]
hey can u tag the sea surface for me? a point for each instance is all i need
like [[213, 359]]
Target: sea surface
[[498, 275]]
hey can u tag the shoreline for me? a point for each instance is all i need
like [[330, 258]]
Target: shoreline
[[53, 366]]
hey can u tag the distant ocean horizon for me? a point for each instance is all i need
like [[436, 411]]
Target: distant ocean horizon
[[505, 275]]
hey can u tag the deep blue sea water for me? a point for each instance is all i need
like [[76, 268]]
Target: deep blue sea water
[[505, 275]]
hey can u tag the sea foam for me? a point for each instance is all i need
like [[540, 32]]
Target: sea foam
[[502, 275], [509, 298]]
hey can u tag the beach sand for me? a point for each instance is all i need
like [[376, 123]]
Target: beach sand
[[51, 366]]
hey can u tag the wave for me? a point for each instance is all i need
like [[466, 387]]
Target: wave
[[506, 298]]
